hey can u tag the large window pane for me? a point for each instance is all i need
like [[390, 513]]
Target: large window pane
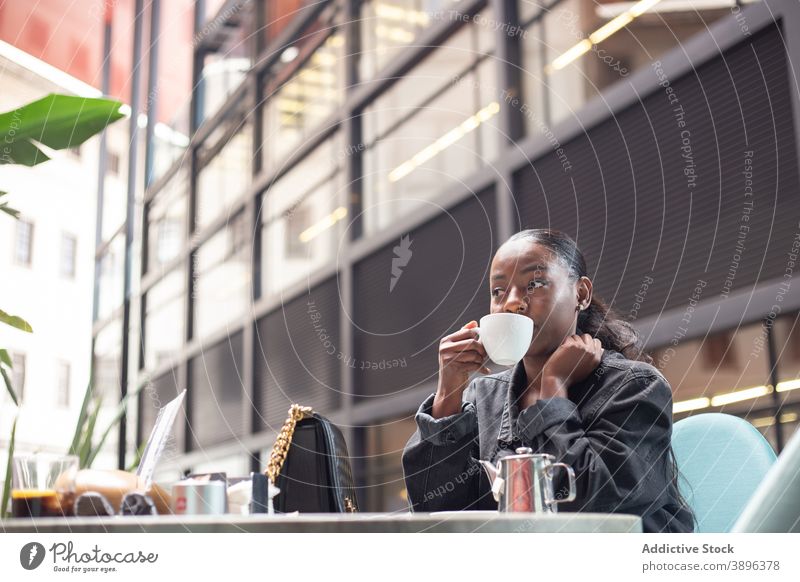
[[590, 45], [111, 281], [384, 443], [297, 109], [224, 179], [222, 278], [106, 361], [787, 346], [722, 372], [303, 216], [166, 219], [173, 96], [165, 316], [225, 68], [387, 26], [417, 148]]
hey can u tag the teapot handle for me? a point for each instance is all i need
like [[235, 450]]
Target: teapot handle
[[571, 479]]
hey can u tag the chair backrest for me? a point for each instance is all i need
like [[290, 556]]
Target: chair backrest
[[722, 459], [775, 506]]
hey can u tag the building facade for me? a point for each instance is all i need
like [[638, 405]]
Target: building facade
[[353, 166]]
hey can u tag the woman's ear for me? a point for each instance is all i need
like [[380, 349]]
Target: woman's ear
[[584, 289]]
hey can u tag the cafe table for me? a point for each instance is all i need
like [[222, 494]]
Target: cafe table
[[457, 521]]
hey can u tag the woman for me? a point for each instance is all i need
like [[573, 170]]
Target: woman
[[584, 392]]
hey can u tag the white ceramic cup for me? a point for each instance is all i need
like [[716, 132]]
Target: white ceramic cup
[[506, 336]]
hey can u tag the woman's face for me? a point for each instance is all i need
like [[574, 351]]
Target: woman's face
[[526, 278]]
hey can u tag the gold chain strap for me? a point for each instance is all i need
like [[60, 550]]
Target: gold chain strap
[[281, 447]]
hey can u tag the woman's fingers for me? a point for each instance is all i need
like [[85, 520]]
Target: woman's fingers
[[467, 358], [470, 360], [459, 335], [464, 345]]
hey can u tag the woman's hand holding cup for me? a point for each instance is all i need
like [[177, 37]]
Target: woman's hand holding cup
[[460, 354]]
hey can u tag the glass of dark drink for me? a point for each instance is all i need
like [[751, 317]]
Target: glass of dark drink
[[43, 485]]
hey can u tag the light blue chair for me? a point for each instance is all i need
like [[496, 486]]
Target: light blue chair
[[721, 459]]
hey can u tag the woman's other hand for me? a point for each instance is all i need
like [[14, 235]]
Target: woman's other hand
[[573, 361]]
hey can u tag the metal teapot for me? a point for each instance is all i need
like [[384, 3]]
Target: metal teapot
[[524, 482]]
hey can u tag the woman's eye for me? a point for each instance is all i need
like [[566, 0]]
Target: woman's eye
[[497, 291], [536, 284]]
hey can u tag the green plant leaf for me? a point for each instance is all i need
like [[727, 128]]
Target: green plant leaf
[[57, 121], [6, 365], [24, 153], [86, 446], [7, 484], [4, 207], [121, 408], [76, 437], [9, 386], [15, 321], [137, 458]]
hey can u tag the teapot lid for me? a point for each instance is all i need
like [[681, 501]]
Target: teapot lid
[[526, 452]]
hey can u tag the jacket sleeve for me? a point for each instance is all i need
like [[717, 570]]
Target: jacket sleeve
[[439, 464], [619, 453]]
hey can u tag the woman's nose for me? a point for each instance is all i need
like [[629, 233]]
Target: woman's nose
[[516, 303]]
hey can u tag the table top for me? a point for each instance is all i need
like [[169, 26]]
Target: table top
[[456, 521]]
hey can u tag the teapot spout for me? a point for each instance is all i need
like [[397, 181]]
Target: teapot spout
[[493, 472]]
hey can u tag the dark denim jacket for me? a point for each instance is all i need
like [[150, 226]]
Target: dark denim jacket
[[614, 430]]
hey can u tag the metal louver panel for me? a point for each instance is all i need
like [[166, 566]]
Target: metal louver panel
[[215, 393], [631, 207], [297, 356], [440, 283]]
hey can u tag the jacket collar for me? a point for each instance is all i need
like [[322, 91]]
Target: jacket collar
[[517, 381]]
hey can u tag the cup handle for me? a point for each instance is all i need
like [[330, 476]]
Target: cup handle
[[570, 477]]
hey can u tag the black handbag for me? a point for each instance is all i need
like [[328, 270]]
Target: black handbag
[[310, 465]]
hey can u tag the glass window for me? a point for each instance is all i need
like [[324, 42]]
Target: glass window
[[787, 346], [106, 358], [113, 163], [115, 192], [528, 9], [724, 372], [62, 384], [387, 26], [303, 216], [165, 316], [589, 45], [222, 279], [166, 218], [23, 247], [172, 98], [384, 443], [226, 67], [224, 179], [68, 250], [111, 280], [432, 128], [534, 83], [298, 108]]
